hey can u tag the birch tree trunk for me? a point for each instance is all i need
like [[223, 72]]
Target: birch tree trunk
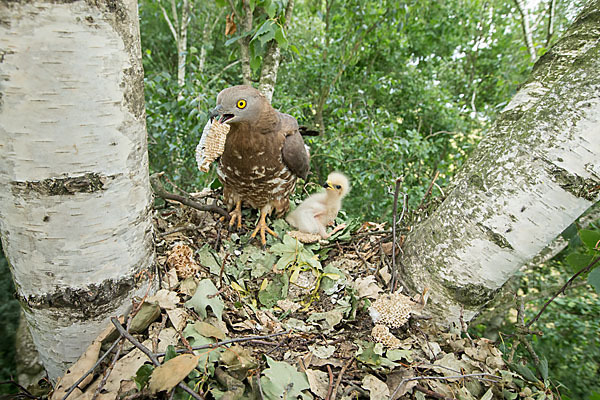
[[531, 176], [75, 200], [527, 34], [270, 66]]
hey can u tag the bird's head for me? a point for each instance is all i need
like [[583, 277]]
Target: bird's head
[[239, 104], [337, 183]]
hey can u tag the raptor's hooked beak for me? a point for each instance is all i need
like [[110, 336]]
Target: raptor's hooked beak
[[327, 185], [217, 113]]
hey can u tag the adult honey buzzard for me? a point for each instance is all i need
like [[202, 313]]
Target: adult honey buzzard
[[264, 154]]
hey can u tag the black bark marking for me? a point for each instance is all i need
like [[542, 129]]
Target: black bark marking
[[68, 185]]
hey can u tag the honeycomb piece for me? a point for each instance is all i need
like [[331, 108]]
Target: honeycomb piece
[[304, 237], [212, 144], [181, 257], [382, 334], [392, 310]]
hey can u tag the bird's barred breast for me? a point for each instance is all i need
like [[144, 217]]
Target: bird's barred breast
[[259, 185]]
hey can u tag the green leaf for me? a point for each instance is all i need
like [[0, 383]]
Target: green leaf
[[271, 7], [524, 371], [170, 353], [208, 259], [368, 354], [543, 368], [142, 376], [276, 289], [578, 261], [282, 380], [594, 279], [255, 62], [294, 49], [280, 37], [206, 295], [509, 395], [589, 238]]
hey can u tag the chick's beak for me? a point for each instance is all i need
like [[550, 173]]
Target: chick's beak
[[327, 185], [215, 112]]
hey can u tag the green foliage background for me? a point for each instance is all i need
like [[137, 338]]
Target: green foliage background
[[409, 87]]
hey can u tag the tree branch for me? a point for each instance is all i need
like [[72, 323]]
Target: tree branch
[[562, 290], [170, 24], [160, 191]]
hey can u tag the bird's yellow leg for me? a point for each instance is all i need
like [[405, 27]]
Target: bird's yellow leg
[[236, 214], [261, 227]]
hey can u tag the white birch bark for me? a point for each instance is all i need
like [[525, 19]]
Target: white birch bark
[[531, 176], [75, 199], [270, 66], [527, 34]]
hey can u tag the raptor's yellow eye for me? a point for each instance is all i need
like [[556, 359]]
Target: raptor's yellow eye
[[241, 104]]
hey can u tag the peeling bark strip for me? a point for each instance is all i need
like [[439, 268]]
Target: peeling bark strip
[[75, 200], [535, 172], [87, 183]]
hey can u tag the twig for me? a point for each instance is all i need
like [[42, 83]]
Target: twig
[[160, 191], [431, 393], [562, 290], [224, 342], [339, 378], [258, 383], [222, 270], [109, 370], [23, 390], [419, 378], [437, 173], [393, 280], [72, 388], [150, 355], [362, 258], [330, 390]]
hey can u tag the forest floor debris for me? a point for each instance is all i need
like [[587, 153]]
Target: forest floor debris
[[235, 321]]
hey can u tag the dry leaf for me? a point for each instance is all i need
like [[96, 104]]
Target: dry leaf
[[166, 299], [178, 318], [127, 366], [208, 330], [318, 381], [230, 26], [367, 287], [83, 364], [168, 375], [378, 390]]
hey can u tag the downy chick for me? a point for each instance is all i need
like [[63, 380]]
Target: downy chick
[[319, 210]]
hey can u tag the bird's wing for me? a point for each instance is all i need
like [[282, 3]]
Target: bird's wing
[[295, 155]]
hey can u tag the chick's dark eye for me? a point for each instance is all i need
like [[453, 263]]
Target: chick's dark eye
[[338, 186], [241, 104]]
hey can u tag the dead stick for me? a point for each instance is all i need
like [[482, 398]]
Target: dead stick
[[330, 390], [562, 289], [339, 378], [431, 393], [150, 355], [393, 279], [437, 173], [112, 347], [236, 340], [160, 191]]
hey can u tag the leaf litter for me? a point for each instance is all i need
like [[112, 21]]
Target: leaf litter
[[291, 321]]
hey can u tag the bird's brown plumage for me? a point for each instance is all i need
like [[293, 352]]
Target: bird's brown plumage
[[264, 153]]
